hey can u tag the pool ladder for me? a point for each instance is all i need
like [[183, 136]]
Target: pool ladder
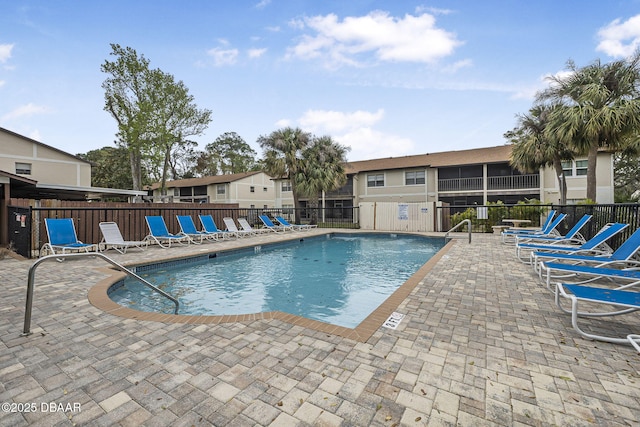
[[32, 271], [464, 221]]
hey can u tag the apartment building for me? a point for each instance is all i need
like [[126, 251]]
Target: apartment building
[[465, 177]]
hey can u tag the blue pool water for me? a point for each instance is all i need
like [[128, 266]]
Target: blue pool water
[[338, 279]]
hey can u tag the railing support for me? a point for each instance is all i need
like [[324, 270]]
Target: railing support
[[26, 330], [464, 221]]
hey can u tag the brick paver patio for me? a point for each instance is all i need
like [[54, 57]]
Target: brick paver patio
[[481, 344]]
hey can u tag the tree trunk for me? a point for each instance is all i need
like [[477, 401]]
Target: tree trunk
[[591, 172], [136, 168], [165, 169], [296, 205]]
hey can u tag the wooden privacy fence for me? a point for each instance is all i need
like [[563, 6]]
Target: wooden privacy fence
[[129, 217]]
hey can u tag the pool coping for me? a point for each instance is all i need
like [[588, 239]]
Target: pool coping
[[99, 298]]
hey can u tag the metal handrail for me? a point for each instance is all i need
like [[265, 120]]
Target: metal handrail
[[32, 271], [464, 221]]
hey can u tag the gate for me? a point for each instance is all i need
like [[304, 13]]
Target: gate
[[20, 230]]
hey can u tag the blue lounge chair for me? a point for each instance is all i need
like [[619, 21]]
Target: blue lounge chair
[[573, 234], [624, 302], [159, 233], [188, 228], [301, 227], [596, 273], [269, 225], [595, 244], [62, 237], [544, 229], [549, 230], [209, 226], [619, 257]]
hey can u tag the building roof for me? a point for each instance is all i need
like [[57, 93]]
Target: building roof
[[473, 156], [206, 180], [17, 135]]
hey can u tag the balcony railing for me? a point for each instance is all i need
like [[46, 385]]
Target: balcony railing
[[460, 184], [511, 182]]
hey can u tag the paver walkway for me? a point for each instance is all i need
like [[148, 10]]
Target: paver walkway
[[481, 345]]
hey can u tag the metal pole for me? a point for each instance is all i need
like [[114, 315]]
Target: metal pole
[[26, 330]]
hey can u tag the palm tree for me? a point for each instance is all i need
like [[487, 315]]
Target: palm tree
[[322, 171], [533, 149], [282, 156], [599, 109]]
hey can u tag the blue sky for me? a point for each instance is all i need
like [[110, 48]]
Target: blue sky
[[386, 78]]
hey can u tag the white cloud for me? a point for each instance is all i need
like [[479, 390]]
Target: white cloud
[[262, 4], [2, 82], [357, 131], [256, 53], [26, 110], [338, 121], [453, 68], [387, 38], [222, 56], [367, 143], [283, 123], [5, 52], [620, 39]]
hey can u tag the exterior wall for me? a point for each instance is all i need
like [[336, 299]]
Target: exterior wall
[[283, 198], [577, 185], [263, 194], [48, 166], [394, 188], [239, 191]]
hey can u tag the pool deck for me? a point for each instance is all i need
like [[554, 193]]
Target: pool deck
[[481, 344]]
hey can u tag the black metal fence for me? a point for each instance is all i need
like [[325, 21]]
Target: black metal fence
[[28, 232], [484, 218]]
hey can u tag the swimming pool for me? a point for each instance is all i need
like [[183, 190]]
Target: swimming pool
[[337, 278]]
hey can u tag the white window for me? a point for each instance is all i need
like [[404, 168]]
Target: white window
[[574, 168], [252, 189], [286, 185], [23, 168], [220, 189], [375, 180], [414, 178]]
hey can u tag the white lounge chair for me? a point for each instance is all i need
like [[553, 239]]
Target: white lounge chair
[[233, 228], [112, 238], [244, 224]]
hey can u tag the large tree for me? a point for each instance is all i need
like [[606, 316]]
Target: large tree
[[534, 147], [154, 112], [109, 167], [175, 118], [127, 100], [230, 154], [282, 154], [322, 170], [599, 109]]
